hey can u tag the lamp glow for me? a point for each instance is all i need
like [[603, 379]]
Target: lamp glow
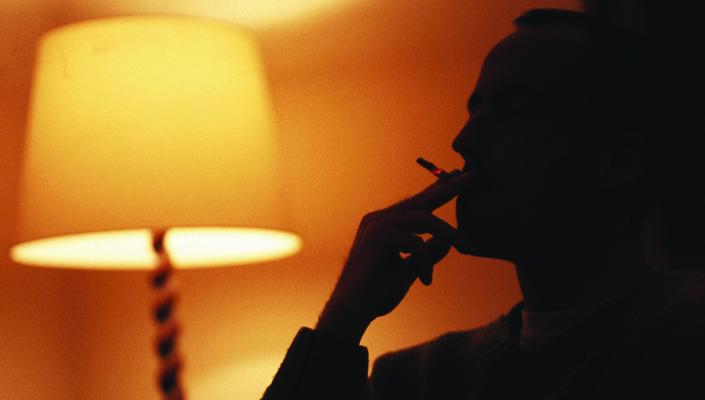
[[131, 249]]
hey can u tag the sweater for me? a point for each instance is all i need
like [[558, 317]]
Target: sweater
[[646, 343]]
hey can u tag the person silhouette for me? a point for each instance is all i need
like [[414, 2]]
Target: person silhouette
[[574, 140]]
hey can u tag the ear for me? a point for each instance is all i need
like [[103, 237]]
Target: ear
[[624, 159]]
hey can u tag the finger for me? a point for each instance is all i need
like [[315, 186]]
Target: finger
[[450, 175], [425, 222], [367, 217], [436, 195], [392, 241], [424, 259], [437, 249], [420, 264], [400, 241]]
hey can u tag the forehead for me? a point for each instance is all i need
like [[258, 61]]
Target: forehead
[[553, 61]]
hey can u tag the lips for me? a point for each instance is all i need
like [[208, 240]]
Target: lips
[[472, 165]]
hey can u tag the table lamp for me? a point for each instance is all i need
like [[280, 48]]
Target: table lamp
[[151, 145]]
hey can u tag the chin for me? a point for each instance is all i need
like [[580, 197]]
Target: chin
[[462, 215], [465, 226], [484, 238]]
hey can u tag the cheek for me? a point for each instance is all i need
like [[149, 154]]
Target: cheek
[[520, 171], [529, 174], [537, 158], [528, 181]]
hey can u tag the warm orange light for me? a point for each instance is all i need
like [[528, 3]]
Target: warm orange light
[[269, 12], [150, 121], [252, 13], [131, 249]]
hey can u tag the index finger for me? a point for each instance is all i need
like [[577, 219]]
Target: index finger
[[434, 196]]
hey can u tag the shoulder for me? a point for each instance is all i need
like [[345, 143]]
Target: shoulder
[[667, 304], [442, 362], [668, 346], [665, 325], [674, 294]]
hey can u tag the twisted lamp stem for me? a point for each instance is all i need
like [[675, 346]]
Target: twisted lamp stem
[[167, 327]]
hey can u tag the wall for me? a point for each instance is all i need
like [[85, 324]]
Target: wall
[[38, 350]]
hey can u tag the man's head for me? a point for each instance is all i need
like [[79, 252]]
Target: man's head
[[566, 130]]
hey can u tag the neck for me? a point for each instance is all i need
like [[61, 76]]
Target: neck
[[574, 273]]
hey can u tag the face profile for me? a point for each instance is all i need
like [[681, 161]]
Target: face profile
[[524, 132]]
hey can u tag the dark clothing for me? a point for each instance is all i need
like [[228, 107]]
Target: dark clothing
[[648, 343]]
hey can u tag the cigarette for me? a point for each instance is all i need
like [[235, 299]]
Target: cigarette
[[440, 173]]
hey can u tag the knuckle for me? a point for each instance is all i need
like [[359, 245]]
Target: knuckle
[[365, 218], [370, 216], [372, 225], [376, 228], [364, 223]]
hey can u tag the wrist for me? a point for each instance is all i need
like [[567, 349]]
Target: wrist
[[343, 324]]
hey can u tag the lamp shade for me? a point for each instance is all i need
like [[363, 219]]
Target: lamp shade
[[146, 122]]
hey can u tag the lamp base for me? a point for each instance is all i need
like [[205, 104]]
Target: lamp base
[[167, 327]]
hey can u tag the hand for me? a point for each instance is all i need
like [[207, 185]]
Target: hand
[[375, 277]]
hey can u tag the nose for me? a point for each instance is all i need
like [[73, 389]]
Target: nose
[[462, 142], [457, 144]]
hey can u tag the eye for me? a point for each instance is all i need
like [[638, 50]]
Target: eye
[[520, 104]]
